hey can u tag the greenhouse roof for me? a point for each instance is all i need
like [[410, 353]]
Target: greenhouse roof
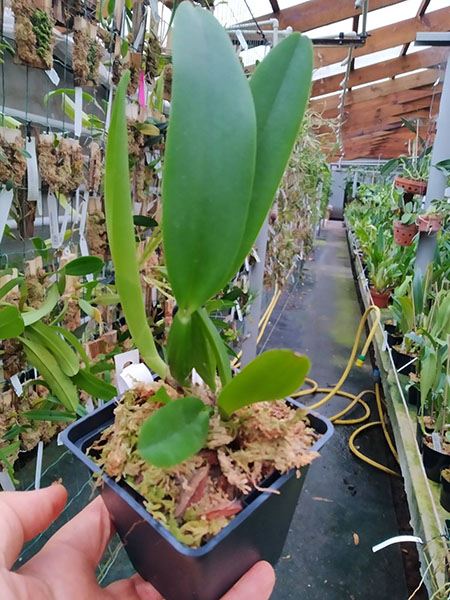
[[389, 77]]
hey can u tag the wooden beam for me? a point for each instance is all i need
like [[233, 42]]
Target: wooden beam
[[387, 124], [386, 37], [274, 5], [422, 10], [315, 13], [377, 90], [382, 70]]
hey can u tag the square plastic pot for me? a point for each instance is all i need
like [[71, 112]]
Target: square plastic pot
[[178, 572]]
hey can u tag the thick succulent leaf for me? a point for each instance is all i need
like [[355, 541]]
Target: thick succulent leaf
[[270, 376], [280, 87], [429, 363], [94, 386], [175, 432], [32, 316], [62, 352], [119, 222], [47, 366], [84, 265], [11, 322], [209, 159], [10, 285]]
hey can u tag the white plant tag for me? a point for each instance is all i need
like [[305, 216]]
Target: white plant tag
[[53, 76], [78, 111], [33, 193], [154, 296], [196, 379], [436, 442], [89, 406], [385, 341], [6, 198], [120, 360], [52, 205], [239, 312], [247, 264], [15, 382], [59, 441], [37, 474], [6, 482], [135, 374]]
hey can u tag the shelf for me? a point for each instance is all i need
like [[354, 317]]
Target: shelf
[[427, 516]]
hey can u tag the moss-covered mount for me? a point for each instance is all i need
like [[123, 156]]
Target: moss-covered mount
[[60, 163], [13, 163], [33, 33], [86, 54]]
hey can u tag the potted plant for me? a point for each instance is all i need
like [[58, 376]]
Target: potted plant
[[431, 221], [404, 226], [200, 459], [414, 168], [444, 497]]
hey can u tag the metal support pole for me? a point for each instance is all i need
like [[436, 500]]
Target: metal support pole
[[426, 248], [256, 281]]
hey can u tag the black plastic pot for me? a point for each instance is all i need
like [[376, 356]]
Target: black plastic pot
[[444, 497], [419, 433], [394, 339], [391, 328], [434, 461], [413, 396], [258, 532], [400, 360]]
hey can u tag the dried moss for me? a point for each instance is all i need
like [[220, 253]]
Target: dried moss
[[60, 164], [86, 59], [198, 497], [97, 235], [33, 34], [153, 57], [12, 164]]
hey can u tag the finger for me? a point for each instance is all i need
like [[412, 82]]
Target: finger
[[25, 514], [88, 533], [134, 588], [256, 584]]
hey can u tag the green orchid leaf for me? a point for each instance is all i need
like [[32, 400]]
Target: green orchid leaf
[[162, 396], [86, 307], [94, 386], [389, 167], [174, 433], [212, 121], [280, 87], [32, 316], [63, 353], [49, 415], [7, 287], [120, 228], [48, 367], [72, 339], [143, 221], [418, 297], [270, 376], [428, 366], [84, 265], [11, 322]]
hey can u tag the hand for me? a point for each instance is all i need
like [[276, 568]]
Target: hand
[[65, 568]]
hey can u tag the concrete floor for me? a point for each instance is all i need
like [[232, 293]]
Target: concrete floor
[[342, 496]]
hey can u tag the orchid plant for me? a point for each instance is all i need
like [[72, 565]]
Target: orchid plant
[[228, 143]]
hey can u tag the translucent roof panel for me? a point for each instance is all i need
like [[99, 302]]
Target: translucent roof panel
[[437, 4], [334, 29], [375, 57], [392, 14]]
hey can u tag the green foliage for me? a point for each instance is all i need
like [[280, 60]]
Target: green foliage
[[174, 432], [84, 265], [11, 322], [270, 376]]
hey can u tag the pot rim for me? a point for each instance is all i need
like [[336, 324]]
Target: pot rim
[[75, 448]]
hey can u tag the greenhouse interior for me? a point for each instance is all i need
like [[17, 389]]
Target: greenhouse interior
[[263, 414]]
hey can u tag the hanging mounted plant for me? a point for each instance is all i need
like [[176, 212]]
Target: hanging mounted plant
[[60, 163], [153, 57], [97, 236], [135, 66], [86, 54], [13, 163], [34, 33], [168, 74], [95, 168]]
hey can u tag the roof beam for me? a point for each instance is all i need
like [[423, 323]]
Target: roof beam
[[274, 5], [315, 13], [422, 10], [376, 90], [382, 70], [386, 124], [386, 37]]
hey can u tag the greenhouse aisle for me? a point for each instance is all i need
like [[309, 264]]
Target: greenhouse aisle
[[346, 506]]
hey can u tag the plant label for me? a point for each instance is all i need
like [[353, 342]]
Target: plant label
[[6, 482], [53, 76], [6, 198], [78, 111], [15, 382], [38, 472], [120, 360], [135, 374], [33, 192]]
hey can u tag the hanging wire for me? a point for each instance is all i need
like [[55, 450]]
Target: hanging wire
[[256, 23]]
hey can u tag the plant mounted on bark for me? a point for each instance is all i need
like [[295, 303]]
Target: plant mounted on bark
[[34, 33]]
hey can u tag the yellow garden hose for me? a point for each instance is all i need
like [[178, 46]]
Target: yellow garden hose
[[336, 390]]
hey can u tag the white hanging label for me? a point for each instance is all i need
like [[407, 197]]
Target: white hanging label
[[33, 192], [385, 341], [135, 374], [52, 205], [78, 111], [59, 441], [6, 482], [15, 382], [196, 379], [6, 198], [89, 406], [37, 475], [53, 76], [239, 312], [120, 360]]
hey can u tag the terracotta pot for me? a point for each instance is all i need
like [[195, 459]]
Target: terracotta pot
[[411, 186], [380, 299], [404, 234], [429, 223]]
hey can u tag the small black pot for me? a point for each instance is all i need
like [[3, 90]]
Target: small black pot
[[419, 433], [414, 396], [391, 328], [394, 339], [400, 360], [178, 572], [444, 498], [434, 461]]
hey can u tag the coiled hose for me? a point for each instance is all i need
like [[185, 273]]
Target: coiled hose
[[336, 390]]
